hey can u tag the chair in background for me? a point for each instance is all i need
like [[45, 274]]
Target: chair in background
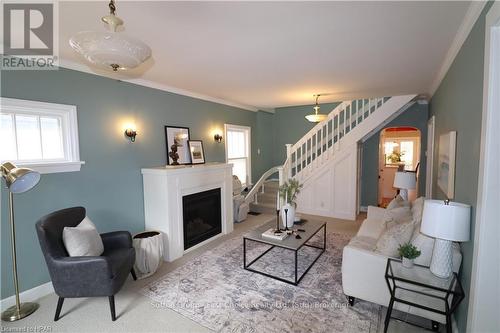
[[90, 276]]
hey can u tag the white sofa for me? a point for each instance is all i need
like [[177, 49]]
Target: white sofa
[[363, 269]]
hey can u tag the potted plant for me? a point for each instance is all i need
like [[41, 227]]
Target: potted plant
[[408, 253], [288, 192]]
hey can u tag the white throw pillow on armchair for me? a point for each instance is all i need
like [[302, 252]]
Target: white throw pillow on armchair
[[83, 240]]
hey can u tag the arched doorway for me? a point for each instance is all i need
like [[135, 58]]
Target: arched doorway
[[399, 149]]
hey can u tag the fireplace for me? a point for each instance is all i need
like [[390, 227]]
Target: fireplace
[[202, 216]]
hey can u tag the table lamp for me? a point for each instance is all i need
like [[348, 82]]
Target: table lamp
[[405, 181], [18, 180], [448, 222]]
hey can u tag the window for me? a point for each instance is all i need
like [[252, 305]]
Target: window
[[42, 136], [238, 151], [401, 151]]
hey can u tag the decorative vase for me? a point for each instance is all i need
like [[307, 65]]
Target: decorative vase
[[149, 252], [289, 217], [408, 263]]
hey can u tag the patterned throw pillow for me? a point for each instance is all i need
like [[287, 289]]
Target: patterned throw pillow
[[395, 235], [396, 215]]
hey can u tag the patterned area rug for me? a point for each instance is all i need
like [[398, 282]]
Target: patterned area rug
[[215, 291]]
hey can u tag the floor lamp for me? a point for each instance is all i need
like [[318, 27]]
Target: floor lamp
[[18, 180]]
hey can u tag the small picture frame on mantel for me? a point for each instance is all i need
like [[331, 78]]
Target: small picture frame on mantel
[[196, 151]]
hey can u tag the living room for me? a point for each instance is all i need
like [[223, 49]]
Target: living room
[[212, 75]]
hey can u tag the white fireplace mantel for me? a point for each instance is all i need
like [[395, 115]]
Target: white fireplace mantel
[[164, 188]]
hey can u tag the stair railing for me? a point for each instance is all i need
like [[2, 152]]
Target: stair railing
[[318, 144], [252, 195]]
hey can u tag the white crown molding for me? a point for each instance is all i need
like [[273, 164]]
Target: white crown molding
[[475, 9], [68, 64]]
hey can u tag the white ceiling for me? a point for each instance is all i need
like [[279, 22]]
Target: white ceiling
[[271, 54]]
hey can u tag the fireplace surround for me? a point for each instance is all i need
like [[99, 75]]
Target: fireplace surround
[[165, 189]]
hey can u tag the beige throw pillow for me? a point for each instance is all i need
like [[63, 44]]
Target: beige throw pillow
[[396, 215], [83, 240], [395, 235], [398, 201]]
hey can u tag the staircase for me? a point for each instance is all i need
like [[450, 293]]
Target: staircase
[[326, 159], [266, 198]]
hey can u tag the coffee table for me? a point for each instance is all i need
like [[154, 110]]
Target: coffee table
[[290, 243]]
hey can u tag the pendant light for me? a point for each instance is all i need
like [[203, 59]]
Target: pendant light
[[110, 49], [316, 117]]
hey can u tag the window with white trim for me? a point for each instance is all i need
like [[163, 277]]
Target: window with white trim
[[42, 136], [238, 150]]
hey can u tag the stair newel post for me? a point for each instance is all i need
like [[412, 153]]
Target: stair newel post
[[281, 176]]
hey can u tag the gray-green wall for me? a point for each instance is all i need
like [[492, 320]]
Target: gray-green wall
[[109, 185], [415, 116], [457, 105]]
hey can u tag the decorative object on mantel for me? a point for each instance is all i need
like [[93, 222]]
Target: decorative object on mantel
[[148, 252], [316, 117], [408, 252], [196, 151], [177, 141], [18, 180], [110, 50], [405, 180], [446, 163], [288, 191], [448, 222]]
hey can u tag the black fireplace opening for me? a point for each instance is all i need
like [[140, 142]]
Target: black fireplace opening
[[202, 216]]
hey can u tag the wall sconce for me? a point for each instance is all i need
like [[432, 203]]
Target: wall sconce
[[131, 134], [218, 138]]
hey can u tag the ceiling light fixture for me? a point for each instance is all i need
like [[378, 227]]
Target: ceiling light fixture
[[109, 49], [316, 117]]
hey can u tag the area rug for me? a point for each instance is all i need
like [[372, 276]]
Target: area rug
[[215, 291]]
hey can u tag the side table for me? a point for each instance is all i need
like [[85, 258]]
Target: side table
[[418, 287]]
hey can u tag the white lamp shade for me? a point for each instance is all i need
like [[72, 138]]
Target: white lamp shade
[[446, 221], [406, 180]]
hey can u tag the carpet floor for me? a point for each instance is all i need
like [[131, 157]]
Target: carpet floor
[[215, 291]]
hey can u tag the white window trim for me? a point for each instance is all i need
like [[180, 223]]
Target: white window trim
[[249, 152], [68, 114]]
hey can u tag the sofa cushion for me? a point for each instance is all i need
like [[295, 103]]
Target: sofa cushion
[[363, 242], [426, 245], [398, 201], [83, 240], [395, 235]]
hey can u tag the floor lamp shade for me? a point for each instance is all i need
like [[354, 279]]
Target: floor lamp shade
[[18, 180], [447, 222]]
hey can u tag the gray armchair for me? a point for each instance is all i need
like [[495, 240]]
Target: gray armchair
[[91, 276]]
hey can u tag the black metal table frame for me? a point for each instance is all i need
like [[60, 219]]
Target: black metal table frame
[[272, 246], [448, 292]]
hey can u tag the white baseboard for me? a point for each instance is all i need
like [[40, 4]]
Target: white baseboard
[[29, 295], [363, 209]]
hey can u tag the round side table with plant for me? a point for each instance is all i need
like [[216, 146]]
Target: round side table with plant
[[408, 253]]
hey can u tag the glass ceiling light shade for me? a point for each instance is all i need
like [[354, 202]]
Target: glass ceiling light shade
[[316, 117], [110, 49]]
